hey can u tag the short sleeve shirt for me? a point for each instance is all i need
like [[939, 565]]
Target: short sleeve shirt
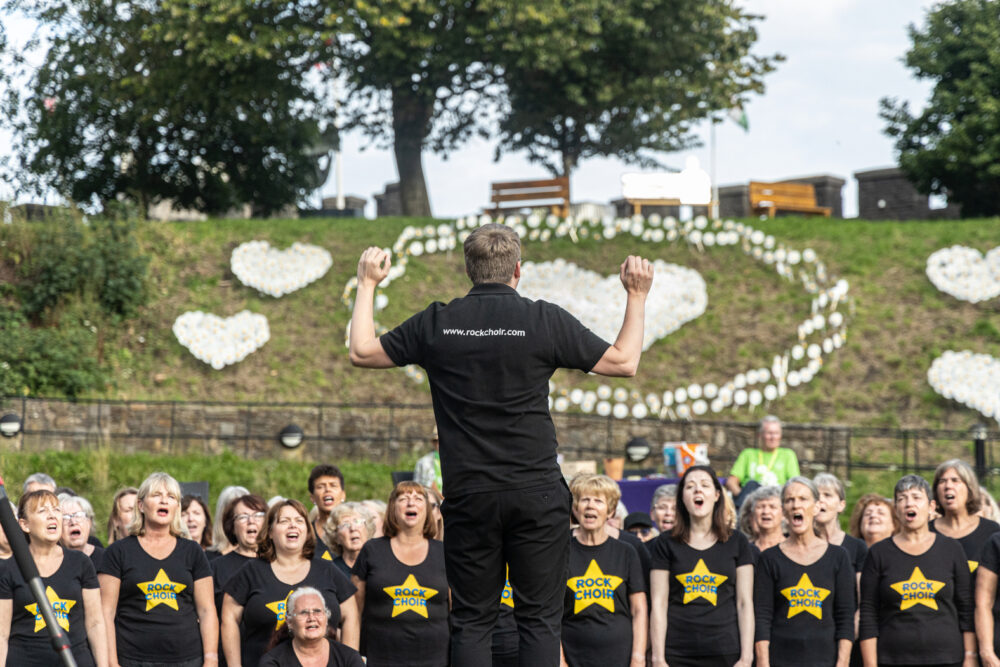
[[223, 569], [701, 612], [597, 613], [489, 357], [405, 619], [283, 655], [262, 596], [29, 644], [156, 599], [765, 468]]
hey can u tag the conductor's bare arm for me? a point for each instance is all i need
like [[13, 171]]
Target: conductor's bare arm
[[622, 358], [365, 347]]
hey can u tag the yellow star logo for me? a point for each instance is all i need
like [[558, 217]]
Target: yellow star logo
[[804, 597], [973, 564], [60, 608], [594, 587], [278, 607], [917, 590], [161, 591], [507, 597], [700, 583], [409, 596]]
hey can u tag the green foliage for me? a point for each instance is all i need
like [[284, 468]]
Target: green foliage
[[131, 101], [118, 269], [952, 147], [96, 474], [594, 78], [54, 266], [46, 361]]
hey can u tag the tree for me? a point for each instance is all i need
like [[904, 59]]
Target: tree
[[620, 79], [127, 105], [416, 76], [952, 147]]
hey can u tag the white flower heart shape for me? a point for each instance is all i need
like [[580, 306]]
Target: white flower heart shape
[[968, 378], [219, 341], [964, 273], [279, 272], [678, 296]]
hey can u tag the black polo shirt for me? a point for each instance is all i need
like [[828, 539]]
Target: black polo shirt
[[489, 356]]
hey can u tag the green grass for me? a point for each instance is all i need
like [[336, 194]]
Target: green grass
[[899, 320]]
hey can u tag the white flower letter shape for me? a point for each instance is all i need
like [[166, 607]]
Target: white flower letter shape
[[965, 274], [219, 341], [279, 272]]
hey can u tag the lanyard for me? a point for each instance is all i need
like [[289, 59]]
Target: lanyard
[[760, 458]]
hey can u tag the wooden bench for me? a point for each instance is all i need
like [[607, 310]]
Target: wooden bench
[[769, 198], [531, 194]]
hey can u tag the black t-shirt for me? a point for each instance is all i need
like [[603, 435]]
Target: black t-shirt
[[597, 614], [405, 620], [283, 655], [643, 552], [489, 357], [974, 542], [262, 596], [96, 556], [856, 550], [803, 610], [342, 566], [701, 612], [223, 569], [990, 560], [29, 644], [917, 606], [156, 599]]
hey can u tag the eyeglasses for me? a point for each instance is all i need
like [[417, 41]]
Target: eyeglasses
[[436, 505], [351, 523], [243, 518], [78, 516], [309, 612]]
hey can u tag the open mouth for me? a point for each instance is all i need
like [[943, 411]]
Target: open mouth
[[163, 512], [797, 519], [252, 534], [52, 527], [949, 497], [698, 501], [328, 500], [411, 514], [75, 533], [910, 515], [292, 536], [312, 624]]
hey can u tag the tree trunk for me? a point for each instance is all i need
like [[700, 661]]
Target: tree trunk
[[411, 117], [568, 163]]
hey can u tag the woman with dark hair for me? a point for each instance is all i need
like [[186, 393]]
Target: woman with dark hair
[[702, 583], [70, 583], [254, 603], [307, 638], [803, 590], [197, 519], [402, 586], [156, 583], [874, 518], [241, 523], [122, 511], [956, 491], [916, 604]]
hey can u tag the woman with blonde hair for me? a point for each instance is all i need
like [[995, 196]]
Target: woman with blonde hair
[[604, 611], [347, 529], [221, 543], [68, 576], [157, 583], [956, 492]]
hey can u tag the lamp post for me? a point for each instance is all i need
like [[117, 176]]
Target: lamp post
[[979, 433], [291, 436], [637, 450], [10, 425]]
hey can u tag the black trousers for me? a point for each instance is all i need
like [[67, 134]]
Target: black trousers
[[527, 530]]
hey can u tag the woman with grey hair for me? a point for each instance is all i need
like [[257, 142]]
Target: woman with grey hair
[[77, 523], [306, 638], [760, 518], [220, 543], [833, 501], [347, 529], [916, 602], [804, 598], [956, 491], [663, 507]]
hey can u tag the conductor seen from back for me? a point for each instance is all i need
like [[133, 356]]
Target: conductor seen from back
[[489, 356]]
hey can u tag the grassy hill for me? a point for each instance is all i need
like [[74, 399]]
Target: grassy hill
[[900, 321]]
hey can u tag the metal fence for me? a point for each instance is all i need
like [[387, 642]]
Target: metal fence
[[390, 432]]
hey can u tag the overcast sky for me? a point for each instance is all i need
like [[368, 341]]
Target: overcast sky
[[819, 114]]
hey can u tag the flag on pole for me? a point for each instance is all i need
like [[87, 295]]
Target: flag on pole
[[739, 116]]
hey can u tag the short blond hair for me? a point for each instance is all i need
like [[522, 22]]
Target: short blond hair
[[491, 254], [598, 485], [156, 481]]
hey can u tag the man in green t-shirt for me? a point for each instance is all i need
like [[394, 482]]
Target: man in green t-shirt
[[767, 466]]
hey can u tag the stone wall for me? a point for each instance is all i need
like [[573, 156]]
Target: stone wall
[[388, 203], [886, 194], [734, 200]]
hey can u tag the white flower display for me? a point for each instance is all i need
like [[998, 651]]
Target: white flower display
[[968, 378], [218, 341], [598, 302], [678, 296], [965, 274], [279, 272]]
